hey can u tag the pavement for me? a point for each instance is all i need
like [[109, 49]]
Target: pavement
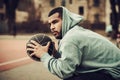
[[17, 65], [32, 71], [29, 71]]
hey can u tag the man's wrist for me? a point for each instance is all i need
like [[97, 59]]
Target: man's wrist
[[45, 56]]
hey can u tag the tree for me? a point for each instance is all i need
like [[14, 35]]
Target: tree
[[115, 17], [11, 6]]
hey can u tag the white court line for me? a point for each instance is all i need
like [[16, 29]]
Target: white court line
[[13, 61]]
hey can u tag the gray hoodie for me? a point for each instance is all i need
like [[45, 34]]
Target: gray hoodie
[[82, 51]]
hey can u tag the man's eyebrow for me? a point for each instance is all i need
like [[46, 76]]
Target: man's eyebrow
[[52, 20]]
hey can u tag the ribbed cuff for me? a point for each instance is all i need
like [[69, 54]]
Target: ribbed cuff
[[45, 59]]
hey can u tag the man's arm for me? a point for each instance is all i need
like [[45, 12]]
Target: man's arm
[[65, 66]]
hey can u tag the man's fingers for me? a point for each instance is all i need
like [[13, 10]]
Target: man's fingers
[[30, 49], [31, 45], [34, 42], [32, 54]]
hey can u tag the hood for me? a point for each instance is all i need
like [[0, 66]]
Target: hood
[[69, 20]]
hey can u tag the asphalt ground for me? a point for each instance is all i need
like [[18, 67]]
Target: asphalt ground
[[15, 63], [32, 71]]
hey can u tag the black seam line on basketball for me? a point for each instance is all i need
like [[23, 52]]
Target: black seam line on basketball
[[41, 39], [37, 39], [44, 43]]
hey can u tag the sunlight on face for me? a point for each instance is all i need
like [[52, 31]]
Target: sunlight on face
[[55, 23]]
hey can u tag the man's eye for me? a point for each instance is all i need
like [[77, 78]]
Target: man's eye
[[54, 21]]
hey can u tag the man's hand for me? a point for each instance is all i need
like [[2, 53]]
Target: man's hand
[[37, 49]]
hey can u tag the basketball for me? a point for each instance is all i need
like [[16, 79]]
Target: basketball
[[42, 39]]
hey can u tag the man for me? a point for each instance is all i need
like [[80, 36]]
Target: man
[[84, 55]]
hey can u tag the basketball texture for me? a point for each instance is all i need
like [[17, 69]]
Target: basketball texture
[[42, 39]]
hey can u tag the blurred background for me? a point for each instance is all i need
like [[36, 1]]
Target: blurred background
[[30, 16], [20, 19]]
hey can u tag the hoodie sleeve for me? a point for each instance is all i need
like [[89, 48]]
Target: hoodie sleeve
[[65, 66]]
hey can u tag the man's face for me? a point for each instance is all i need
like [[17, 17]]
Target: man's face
[[55, 23]]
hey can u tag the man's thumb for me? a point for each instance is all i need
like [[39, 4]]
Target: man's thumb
[[48, 44]]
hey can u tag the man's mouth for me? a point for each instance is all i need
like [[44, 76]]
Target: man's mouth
[[55, 33]]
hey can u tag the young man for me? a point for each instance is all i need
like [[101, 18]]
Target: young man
[[84, 55]]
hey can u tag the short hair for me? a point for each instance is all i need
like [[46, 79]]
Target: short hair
[[58, 9]]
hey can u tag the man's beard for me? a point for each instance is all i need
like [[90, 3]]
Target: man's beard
[[60, 35]]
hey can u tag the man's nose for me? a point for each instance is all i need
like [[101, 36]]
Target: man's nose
[[52, 27]]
